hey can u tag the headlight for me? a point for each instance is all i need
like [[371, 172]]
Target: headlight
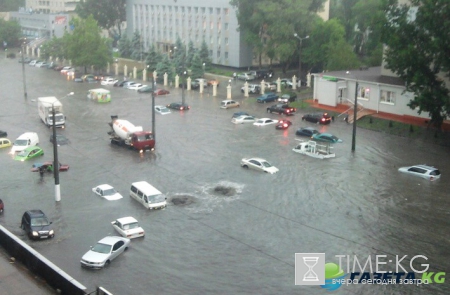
[[51, 232], [35, 234]]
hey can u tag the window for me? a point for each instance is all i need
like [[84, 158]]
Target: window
[[387, 97], [226, 41], [226, 54], [363, 92], [226, 26]]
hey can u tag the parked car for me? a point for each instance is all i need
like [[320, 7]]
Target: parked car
[[29, 153], [267, 97], [120, 83], [136, 86], [33, 62], [227, 104], [41, 64], [60, 139], [283, 124], [145, 89], [90, 80], [306, 131], [265, 121], [288, 97], [162, 110], [318, 118], [282, 109], [3, 133], [423, 171], [108, 81], [64, 70], [270, 86], [327, 137], [104, 252], [128, 83], [106, 191], [286, 82], [161, 92], [264, 73], [128, 227], [252, 88], [243, 119], [178, 106], [246, 76], [258, 164], [58, 68], [48, 167], [5, 142], [36, 225], [238, 114]]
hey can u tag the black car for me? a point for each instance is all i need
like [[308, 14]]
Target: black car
[[318, 118], [306, 131], [238, 114], [178, 106], [36, 224], [282, 109], [120, 83], [288, 97], [264, 73], [3, 133], [60, 139]]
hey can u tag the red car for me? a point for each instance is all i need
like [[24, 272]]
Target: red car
[[161, 92], [48, 166], [283, 124]]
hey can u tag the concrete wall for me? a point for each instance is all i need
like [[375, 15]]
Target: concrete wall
[[38, 264]]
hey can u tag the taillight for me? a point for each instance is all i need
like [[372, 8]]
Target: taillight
[[323, 119], [285, 125], [181, 108], [287, 111]]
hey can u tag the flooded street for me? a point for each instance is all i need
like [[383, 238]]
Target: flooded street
[[226, 230]]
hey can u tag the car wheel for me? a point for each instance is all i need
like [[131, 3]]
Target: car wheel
[[126, 248], [303, 119], [107, 263], [245, 167]]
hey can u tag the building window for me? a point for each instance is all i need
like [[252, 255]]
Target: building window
[[218, 53], [363, 92], [226, 54], [226, 26], [387, 97]]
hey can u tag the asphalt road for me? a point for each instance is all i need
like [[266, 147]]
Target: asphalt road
[[226, 230]]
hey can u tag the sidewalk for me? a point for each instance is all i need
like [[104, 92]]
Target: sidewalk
[[16, 279]]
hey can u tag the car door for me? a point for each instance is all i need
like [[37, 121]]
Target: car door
[[99, 191], [255, 165], [117, 249]]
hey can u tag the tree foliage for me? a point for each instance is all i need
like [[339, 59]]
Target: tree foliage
[[11, 5], [197, 67], [137, 47], [152, 58], [165, 66], [54, 48], [125, 47], [109, 14], [418, 52], [85, 47], [190, 53], [10, 32], [204, 56], [179, 56]]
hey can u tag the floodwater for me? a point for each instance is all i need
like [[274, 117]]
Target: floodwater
[[225, 230]]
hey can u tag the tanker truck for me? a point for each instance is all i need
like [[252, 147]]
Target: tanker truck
[[126, 134]]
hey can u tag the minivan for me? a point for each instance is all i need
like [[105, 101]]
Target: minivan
[[25, 140], [147, 195]]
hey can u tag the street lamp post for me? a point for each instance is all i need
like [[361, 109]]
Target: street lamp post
[[55, 156], [204, 70], [182, 88], [300, 55], [355, 110], [23, 72]]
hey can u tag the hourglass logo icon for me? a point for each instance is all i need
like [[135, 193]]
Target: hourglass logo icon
[[309, 268]]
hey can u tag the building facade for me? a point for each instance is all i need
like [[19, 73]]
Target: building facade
[[161, 22], [40, 25], [51, 6]]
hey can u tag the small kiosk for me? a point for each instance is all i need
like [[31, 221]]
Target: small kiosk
[[99, 95]]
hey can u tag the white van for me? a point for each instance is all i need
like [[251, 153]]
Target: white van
[[147, 195], [25, 140]]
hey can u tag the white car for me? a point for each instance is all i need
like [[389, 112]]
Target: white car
[[128, 227], [162, 110], [270, 86], [265, 121], [108, 192], [108, 81], [136, 86], [424, 171], [104, 252], [252, 88], [66, 69], [243, 119], [33, 62], [258, 164]]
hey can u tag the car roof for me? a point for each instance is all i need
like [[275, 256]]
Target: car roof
[[104, 186], [30, 148], [327, 134], [35, 212], [424, 166], [258, 159], [110, 240], [125, 220]]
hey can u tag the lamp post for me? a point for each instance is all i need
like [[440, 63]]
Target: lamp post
[[182, 88], [300, 55], [153, 104], [355, 110], [55, 155], [204, 70], [23, 71]]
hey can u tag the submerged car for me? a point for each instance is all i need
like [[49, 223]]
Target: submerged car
[[5, 142], [161, 92], [318, 118], [238, 114], [36, 224], [106, 191], [48, 166], [265, 121], [104, 252], [162, 110], [178, 106], [243, 119], [306, 131], [29, 153], [258, 164], [423, 171], [283, 124], [128, 227], [227, 104], [326, 137], [60, 139], [145, 89]]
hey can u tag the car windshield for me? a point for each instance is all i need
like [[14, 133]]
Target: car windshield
[[156, 198], [23, 153], [144, 137], [164, 110], [109, 192], [39, 221], [435, 172], [102, 248], [21, 142], [266, 164]]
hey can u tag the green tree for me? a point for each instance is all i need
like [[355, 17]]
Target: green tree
[[11, 5], [179, 56], [85, 46], [125, 47], [418, 52], [204, 56], [340, 56], [137, 47], [152, 58], [165, 66], [10, 32], [109, 14], [197, 67], [54, 48], [190, 53]]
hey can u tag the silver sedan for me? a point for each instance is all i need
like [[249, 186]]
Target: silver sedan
[[104, 252]]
